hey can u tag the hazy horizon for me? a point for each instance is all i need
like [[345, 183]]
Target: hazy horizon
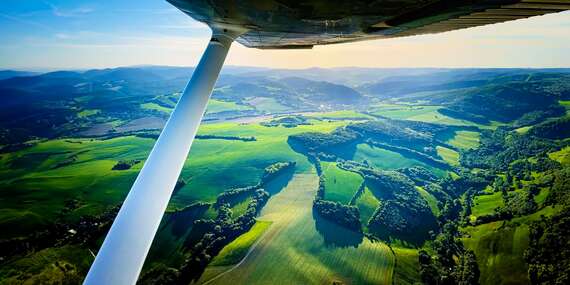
[[56, 35]]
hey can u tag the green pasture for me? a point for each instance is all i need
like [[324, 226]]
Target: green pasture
[[156, 107], [88, 112], [216, 106], [216, 165], [430, 199], [486, 204], [499, 248], [366, 204], [340, 185], [314, 251], [267, 105], [403, 112], [562, 156], [36, 182], [340, 115], [407, 264], [448, 155], [465, 139], [388, 160], [235, 251]]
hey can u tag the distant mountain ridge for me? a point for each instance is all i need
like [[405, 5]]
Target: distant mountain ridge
[[37, 103]]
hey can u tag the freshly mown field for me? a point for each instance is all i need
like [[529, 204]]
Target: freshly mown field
[[302, 250]]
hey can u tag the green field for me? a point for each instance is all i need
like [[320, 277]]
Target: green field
[[340, 185], [88, 112], [465, 139], [405, 112], [295, 240], [267, 105], [336, 115], [216, 165], [407, 264], [499, 248], [486, 204], [49, 266], [49, 173], [562, 156], [448, 155], [366, 205], [156, 107], [237, 249], [383, 159], [430, 199], [216, 106]]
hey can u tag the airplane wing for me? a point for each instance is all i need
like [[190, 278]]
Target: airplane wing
[[281, 24]]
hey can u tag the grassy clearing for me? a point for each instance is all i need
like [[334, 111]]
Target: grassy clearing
[[430, 199], [340, 185], [88, 112], [235, 251], [499, 248], [541, 196], [58, 265], [216, 106], [268, 105], [407, 265], [523, 130], [366, 204], [448, 155], [486, 204], [345, 114], [395, 111], [562, 156], [383, 159], [156, 107], [465, 140]]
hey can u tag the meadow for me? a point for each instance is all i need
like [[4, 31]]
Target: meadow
[[315, 251], [340, 184]]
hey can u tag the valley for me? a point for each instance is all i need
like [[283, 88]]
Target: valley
[[411, 176]]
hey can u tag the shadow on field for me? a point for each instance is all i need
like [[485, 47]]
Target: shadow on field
[[280, 182], [335, 235]]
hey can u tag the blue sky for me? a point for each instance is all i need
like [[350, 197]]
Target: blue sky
[[79, 34]]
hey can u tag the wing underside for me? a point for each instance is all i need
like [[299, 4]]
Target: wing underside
[[281, 24]]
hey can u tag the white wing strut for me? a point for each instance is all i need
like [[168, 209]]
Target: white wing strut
[[122, 255]]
